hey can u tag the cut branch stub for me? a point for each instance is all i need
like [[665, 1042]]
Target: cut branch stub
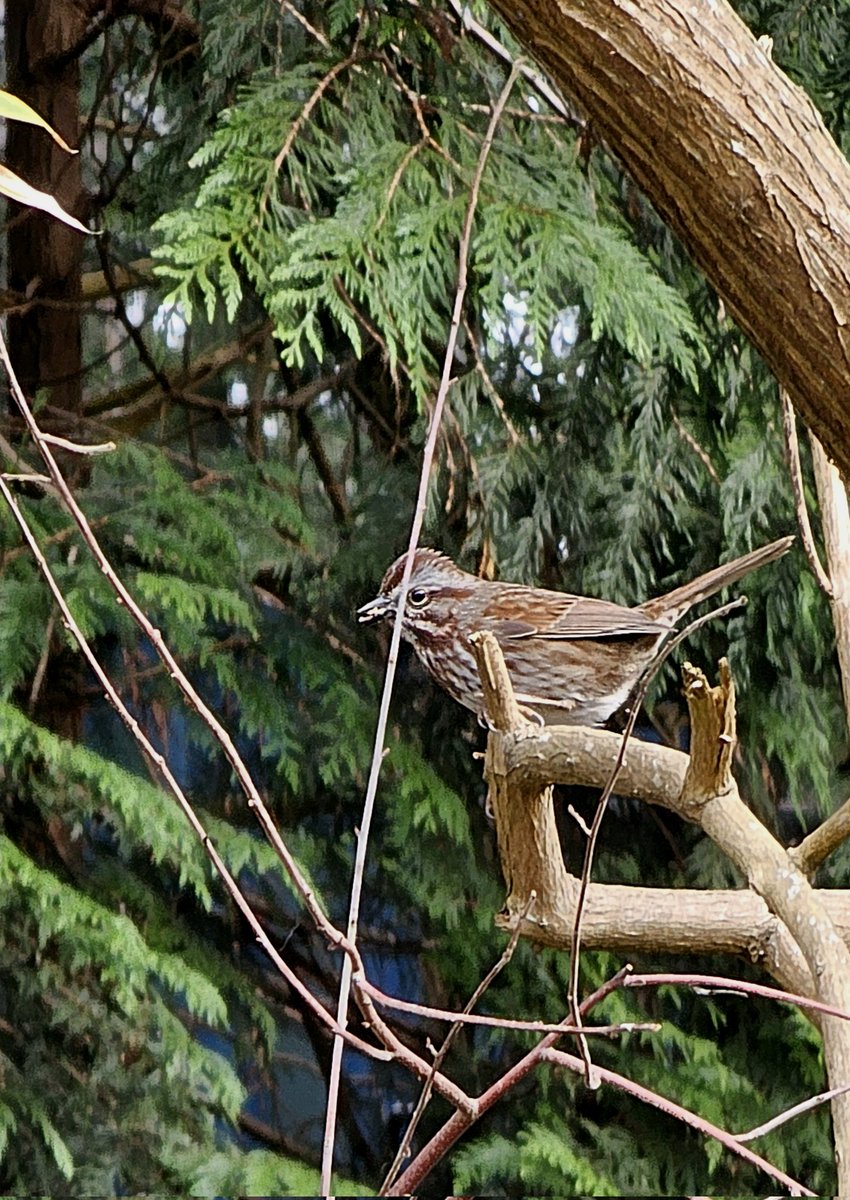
[[713, 735], [500, 703], [521, 803]]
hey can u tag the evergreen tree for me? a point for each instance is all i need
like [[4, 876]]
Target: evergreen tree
[[262, 325]]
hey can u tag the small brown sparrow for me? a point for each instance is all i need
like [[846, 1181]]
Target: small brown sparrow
[[572, 660]]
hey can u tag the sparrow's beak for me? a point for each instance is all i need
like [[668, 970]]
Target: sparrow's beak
[[376, 610]]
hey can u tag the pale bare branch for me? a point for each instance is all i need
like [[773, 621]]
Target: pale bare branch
[[795, 470]]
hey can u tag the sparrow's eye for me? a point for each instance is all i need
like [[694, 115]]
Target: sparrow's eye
[[417, 597]]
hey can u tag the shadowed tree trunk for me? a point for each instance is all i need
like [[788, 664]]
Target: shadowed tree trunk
[[44, 255]]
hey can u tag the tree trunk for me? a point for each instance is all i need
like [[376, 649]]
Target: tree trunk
[[44, 255], [737, 161]]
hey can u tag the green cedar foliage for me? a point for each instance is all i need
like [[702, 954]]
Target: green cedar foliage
[[609, 431]]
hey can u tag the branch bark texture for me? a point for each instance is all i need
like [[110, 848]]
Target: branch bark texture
[[711, 789], [737, 161], [799, 934]]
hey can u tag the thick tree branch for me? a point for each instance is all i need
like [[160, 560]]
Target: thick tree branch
[[711, 789], [738, 162], [521, 764], [802, 945], [835, 515], [817, 846]]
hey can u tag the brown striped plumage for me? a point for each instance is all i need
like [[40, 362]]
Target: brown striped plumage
[[573, 660]]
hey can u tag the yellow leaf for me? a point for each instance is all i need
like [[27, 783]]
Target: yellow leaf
[[13, 186], [17, 110]]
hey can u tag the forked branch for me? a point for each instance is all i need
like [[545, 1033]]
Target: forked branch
[[791, 922]]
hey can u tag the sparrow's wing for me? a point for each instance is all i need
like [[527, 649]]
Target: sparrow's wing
[[560, 617]]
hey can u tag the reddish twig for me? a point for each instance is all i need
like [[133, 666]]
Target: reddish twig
[[440, 1056], [739, 986], [460, 1122], [168, 778], [572, 1063], [124, 597], [466, 1017]]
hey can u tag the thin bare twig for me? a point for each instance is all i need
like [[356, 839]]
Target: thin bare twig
[[572, 1063], [166, 775], [439, 1058], [125, 598], [286, 6], [296, 126], [795, 470], [701, 453], [77, 447], [334, 490], [789, 1113], [522, 114], [392, 658], [395, 363], [538, 82], [741, 987], [490, 387], [408, 156], [467, 1017], [49, 539], [590, 848], [579, 819], [44, 657], [459, 1123], [25, 471], [255, 802], [146, 358]]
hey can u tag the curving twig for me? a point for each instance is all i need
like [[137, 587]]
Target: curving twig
[[528, 72], [287, 6], [572, 1063], [334, 936], [590, 847], [77, 447], [490, 387], [439, 1058], [296, 126], [790, 1113], [165, 773], [737, 987], [467, 1017], [459, 1123]]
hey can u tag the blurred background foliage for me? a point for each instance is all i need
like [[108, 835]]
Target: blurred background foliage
[[260, 329]]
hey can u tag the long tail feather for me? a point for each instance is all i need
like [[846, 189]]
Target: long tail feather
[[675, 604]]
